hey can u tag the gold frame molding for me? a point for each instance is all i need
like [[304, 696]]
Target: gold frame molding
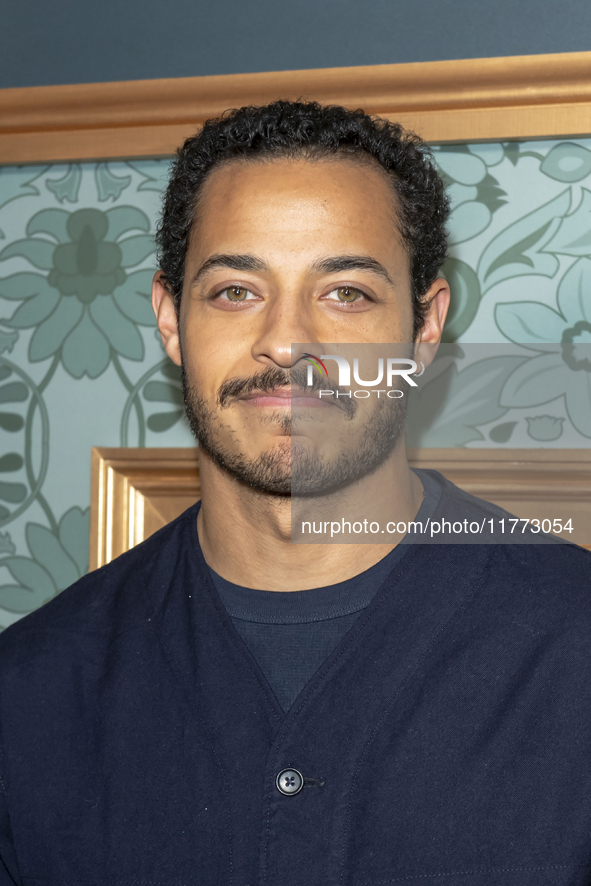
[[136, 491], [467, 100]]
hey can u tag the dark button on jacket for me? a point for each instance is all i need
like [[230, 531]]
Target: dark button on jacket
[[446, 740]]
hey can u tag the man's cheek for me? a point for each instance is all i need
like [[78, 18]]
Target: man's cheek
[[204, 379]]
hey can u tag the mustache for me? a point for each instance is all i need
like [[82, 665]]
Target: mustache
[[273, 377]]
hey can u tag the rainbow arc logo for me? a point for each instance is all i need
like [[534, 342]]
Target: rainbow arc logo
[[316, 362]]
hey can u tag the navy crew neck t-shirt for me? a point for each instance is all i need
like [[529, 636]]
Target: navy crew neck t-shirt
[[290, 634]]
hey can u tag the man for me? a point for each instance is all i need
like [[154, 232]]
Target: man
[[222, 706]]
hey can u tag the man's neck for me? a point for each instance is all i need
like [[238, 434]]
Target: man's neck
[[246, 536]]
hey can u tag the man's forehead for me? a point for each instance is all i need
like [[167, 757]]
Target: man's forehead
[[332, 207], [235, 171]]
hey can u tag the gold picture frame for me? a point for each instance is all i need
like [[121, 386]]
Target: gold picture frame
[[137, 491]]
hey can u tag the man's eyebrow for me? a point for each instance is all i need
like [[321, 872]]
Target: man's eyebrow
[[233, 262], [332, 265], [338, 263]]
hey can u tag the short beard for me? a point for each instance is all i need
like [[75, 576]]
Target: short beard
[[292, 470]]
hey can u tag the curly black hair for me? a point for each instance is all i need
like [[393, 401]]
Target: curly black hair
[[310, 130]]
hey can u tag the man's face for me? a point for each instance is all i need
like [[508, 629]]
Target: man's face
[[284, 252]]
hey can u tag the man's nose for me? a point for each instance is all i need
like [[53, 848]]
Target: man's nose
[[286, 333]]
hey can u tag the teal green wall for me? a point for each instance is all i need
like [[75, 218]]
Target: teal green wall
[[81, 364]]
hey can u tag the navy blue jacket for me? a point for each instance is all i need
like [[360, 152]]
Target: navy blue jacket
[[447, 739]]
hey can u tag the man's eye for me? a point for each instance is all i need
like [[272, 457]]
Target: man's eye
[[237, 293], [345, 294]]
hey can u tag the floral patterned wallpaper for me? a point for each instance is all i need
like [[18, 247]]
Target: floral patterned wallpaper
[[81, 364]]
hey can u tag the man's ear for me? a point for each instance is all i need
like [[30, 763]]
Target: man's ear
[[437, 298], [164, 307]]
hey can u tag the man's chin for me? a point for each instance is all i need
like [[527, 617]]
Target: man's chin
[[268, 472]]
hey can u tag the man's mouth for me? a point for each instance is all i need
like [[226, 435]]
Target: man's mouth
[[277, 389], [286, 398]]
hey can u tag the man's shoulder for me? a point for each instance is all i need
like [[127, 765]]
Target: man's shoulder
[[552, 578], [117, 597], [455, 503], [455, 500]]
